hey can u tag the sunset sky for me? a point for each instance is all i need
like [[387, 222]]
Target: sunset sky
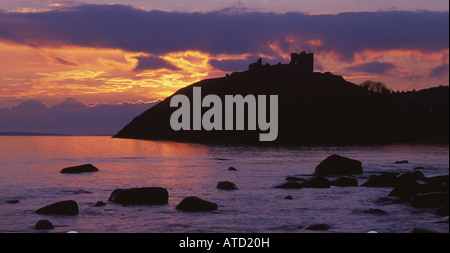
[[95, 52]]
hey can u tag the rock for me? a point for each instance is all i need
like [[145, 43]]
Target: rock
[[68, 207], [12, 201], [232, 169], [411, 176], [100, 203], [422, 230], [290, 185], [438, 179], [401, 162], [80, 169], [382, 180], [405, 190], [43, 224], [288, 197], [192, 204], [226, 185], [443, 211], [140, 196], [293, 178], [429, 200], [317, 227], [375, 211], [335, 165], [316, 182], [344, 181]]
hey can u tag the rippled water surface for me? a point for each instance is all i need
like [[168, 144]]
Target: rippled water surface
[[30, 166]]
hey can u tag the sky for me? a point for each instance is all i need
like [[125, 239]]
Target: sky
[[123, 53]]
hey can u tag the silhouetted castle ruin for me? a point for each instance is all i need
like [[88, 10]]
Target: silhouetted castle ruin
[[302, 62]]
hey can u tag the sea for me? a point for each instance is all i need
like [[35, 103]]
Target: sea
[[30, 177]]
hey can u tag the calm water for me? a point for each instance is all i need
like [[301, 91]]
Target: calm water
[[29, 172]]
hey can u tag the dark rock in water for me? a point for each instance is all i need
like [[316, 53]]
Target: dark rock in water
[[317, 227], [193, 204], [422, 230], [375, 211], [411, 176], [290, 185], [344, 181], [140, 196], [68, 207], [336, 164], [401, 162], [293, 178], [288, 197], [438, 179], [100, 203], [443, 211], [382, 180], [405, 190], [226, 185], [429, 200], [43, 224], [80, 169], [232, 169], [387, 200], [12, 201], [316, 182]]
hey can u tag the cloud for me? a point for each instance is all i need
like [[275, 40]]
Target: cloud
[[217, 32], [230, 65], [69, 117], [439, 71], [372, 67], [151, 63]]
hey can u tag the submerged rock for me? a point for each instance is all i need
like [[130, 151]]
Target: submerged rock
[[294, 178], [12, 201], [411, 176], [401, 162], [405, 190], [232, 169], [68, 207], [336, 164], [429, 200], [422, 230], [100, 203], [317, 227], [44, 225], [382, 180], [80, 169], [316, 182], [345, 181], [192, 204], [226, 185], [288, 197], [290, 185], [140, 196], [375, 211]]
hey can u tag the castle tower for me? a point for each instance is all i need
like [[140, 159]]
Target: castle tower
[[304, 61]]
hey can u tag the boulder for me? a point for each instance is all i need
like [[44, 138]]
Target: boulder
[[80, 169], [316, 182], [232, 169], [290, 185], [12, 201], [67, 207], [401, 162], [288, 197], [345, 181], [382, 180], [193, 204], [405, 190], [429, 200], [43, 224], [336, 164], [226, 185], [438, 179], [411, 176], [443, 210], [140, 196]]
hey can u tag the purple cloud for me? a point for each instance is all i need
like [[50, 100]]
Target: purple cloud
[[156, 32], [372, 67], [152, 62], [439, 71]]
